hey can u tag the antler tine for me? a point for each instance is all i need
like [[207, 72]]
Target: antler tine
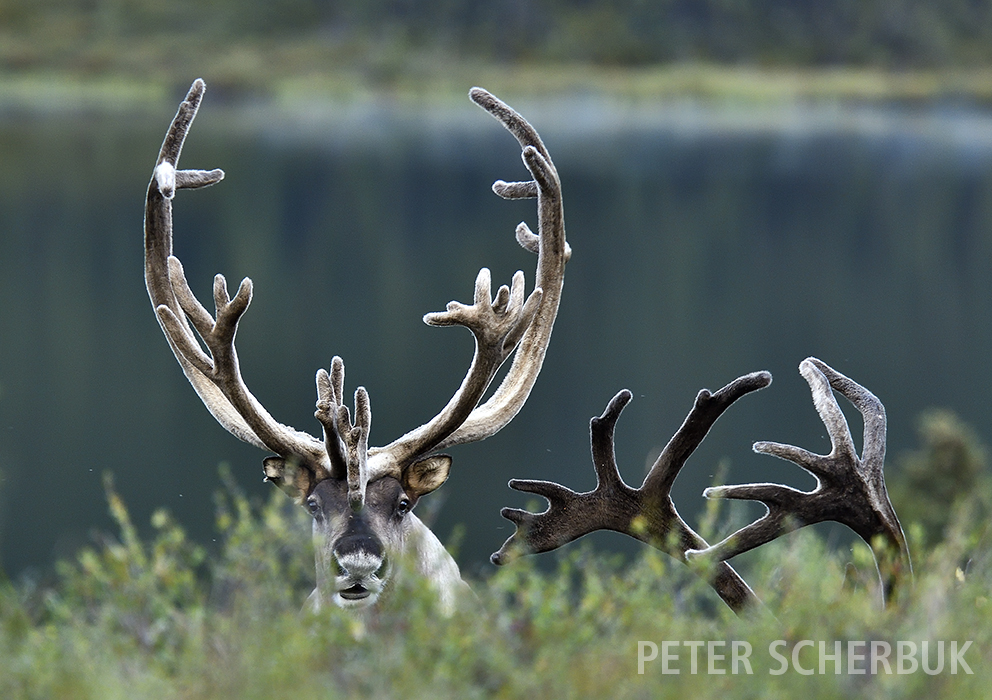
[[330, 399], [523, 132], [552, 254], [346, 442], [850, 489], [571, 515], [527, 137], [647, 513], [497, 324], [501, 325], [705, 412], [216, 376]]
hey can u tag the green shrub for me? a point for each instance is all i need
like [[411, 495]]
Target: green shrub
[[163, 618], [946, 481]]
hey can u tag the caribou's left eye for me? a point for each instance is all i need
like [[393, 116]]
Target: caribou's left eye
[[403, 507]]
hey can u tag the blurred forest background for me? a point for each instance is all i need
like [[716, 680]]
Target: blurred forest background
[[249, 45]]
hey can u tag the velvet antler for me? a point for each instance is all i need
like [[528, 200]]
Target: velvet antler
[[850, 489], [646, 513]]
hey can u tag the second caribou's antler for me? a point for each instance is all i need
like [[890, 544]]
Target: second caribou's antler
[[646, 513], [850, 489]]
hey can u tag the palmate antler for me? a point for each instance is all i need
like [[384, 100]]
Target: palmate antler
[[850, 489], [646, 513], [501, 325]]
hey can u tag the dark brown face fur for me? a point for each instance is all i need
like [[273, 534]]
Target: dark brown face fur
[[355, 549]]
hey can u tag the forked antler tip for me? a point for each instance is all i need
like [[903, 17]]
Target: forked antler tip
[[816, 372], [533, 157], [544, 173], [819, 364], [811, 366]]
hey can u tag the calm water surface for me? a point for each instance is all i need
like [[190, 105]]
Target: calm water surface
[[709, 242]]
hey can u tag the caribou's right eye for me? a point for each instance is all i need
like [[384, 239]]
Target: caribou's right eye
[[313, 507]]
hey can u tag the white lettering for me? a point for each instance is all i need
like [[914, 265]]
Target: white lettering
[[825, 657], [925, 658], [906, 652], [641, 658], [778, 657], [880, 655], [666, 657], [874, 657], [957, 657], [852, 657], [742, 658], [693, 646], [795, 657], [712, 657]]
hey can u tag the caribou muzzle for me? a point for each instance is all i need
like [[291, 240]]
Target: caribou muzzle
[[362, 566]]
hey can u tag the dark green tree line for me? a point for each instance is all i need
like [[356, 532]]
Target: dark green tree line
[[884, 33]]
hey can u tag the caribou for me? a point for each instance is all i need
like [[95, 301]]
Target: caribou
[[362, 498]]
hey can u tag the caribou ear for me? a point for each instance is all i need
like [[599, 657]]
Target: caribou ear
[[288, 475], [422, 477]]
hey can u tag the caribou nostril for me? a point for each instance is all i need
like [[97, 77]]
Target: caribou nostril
[[360, 544]]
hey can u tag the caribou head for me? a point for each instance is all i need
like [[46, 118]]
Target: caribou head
[[361, 497]]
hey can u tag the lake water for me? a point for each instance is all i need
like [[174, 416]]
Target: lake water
[[709, 241]]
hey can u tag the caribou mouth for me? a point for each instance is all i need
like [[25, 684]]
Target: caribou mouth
[[356, 592], [358, 583]]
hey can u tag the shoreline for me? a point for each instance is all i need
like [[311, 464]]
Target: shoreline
[[54, 92]]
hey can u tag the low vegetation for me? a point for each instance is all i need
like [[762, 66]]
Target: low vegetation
[[162, 617]]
